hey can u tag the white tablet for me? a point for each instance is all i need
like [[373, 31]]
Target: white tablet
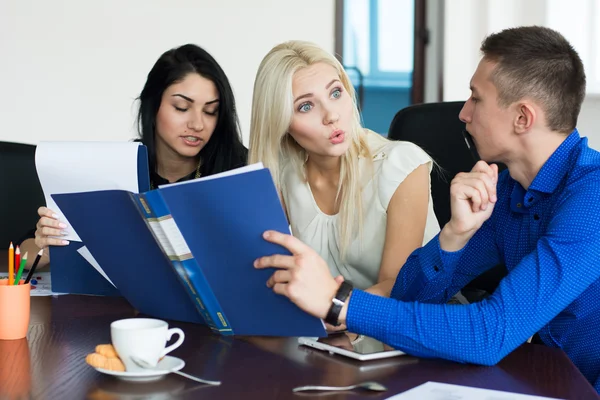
[[363, 349]]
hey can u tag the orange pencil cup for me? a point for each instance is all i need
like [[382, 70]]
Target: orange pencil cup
[[15, 303]]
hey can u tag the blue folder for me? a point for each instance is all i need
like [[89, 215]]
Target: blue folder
[[70, 272], [222, 221]]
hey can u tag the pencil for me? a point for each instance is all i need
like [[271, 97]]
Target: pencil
[[33, 267], [23, 262], [11, 264], [17, 258]]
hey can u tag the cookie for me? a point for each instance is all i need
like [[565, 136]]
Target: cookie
[[107, 350], [97, 360]]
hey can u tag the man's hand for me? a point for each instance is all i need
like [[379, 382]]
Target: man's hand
[[303, 277], [472, 200]]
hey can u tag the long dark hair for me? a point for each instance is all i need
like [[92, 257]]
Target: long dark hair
[[224, 150]]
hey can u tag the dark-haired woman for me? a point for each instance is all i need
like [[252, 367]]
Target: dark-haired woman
[[187, 119]]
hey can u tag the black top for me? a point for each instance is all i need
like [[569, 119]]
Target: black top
[[156, 179]]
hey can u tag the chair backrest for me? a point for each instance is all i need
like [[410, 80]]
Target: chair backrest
[[20, 191], [435, 128]]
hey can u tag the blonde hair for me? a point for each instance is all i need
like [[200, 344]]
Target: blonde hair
[[272, 112]]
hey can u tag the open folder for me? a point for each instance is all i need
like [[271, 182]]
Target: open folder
[[71, 167], [185, 251]]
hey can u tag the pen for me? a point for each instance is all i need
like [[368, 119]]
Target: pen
[[33, 267], [23, 262], [471, 145], [17, 258]]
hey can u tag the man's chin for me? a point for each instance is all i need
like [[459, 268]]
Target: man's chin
[[189, 153]]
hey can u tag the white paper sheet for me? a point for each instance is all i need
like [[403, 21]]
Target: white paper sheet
[[237, 171], [72, 167], [445, 391], [85, 253]]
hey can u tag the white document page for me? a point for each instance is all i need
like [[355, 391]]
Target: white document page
[[72, 167], [446, 391], [85, 253], [41, 284], [237, 171]]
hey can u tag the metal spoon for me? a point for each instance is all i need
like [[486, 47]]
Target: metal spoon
[[143, 364], [374, 386]]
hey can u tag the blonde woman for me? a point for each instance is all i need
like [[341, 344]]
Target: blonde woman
[[361, 201]]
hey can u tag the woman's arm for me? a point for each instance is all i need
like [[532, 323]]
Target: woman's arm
[[406, 219], [29, 246]]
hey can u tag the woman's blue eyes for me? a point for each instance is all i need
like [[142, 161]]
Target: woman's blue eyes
[[305, 107]]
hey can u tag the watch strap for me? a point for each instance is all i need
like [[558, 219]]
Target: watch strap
[[337, 303]]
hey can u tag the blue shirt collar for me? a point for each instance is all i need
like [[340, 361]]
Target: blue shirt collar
[[557, 166], [548, 177]]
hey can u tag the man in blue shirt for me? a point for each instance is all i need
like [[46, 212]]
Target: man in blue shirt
[[540, 218]]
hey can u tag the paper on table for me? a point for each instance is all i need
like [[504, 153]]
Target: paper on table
[[445, 391], [85, 253], [71, 167], [41, 284]]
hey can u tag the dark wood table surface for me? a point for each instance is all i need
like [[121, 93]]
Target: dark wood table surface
[[50, 363]]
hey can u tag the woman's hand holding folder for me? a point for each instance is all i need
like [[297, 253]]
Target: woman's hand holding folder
[[47, 228]]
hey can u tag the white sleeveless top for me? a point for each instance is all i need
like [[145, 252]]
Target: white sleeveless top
[[393, 161]]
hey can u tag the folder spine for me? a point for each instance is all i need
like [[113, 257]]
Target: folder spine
[[173, 244]]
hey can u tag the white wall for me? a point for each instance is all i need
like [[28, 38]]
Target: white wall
[[71, 69], [466, 24], [589, 120]]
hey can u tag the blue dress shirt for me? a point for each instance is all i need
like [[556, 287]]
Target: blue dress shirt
[[549, 239]]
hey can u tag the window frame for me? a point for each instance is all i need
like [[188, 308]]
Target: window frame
[[413, 80]]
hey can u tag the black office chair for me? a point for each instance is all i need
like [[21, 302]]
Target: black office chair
[[20, 192], [435, 128]]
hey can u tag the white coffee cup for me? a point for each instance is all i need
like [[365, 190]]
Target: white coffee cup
[[144, 338]]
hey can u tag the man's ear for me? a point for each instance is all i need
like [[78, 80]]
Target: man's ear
[[525, 117]]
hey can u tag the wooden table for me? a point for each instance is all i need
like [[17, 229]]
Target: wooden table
[[50, 363]]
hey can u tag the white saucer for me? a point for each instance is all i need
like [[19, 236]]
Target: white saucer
[[164, 367]]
